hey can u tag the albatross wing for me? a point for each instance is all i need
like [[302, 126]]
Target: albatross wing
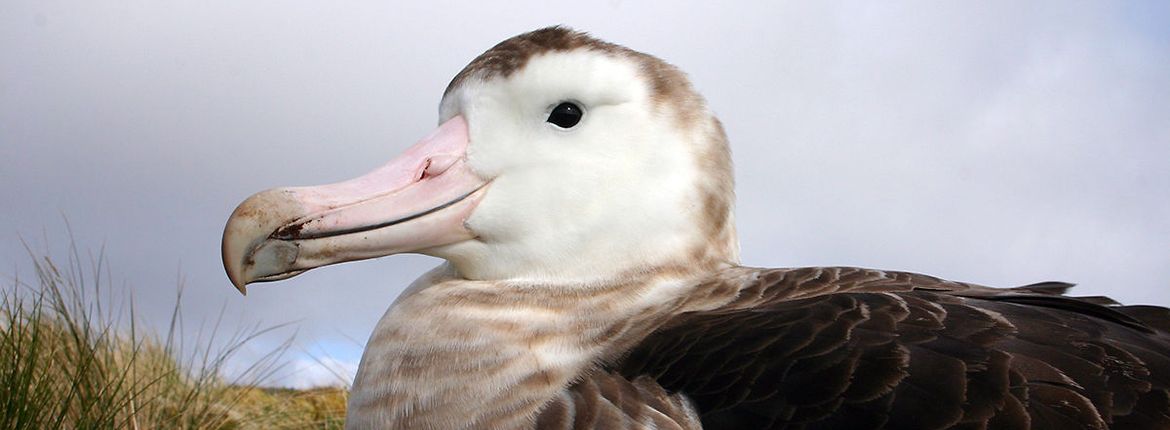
[[857, 349]]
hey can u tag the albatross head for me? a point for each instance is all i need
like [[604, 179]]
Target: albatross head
[[558, 157]]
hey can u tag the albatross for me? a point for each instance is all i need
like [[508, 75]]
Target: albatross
[[581, 195]]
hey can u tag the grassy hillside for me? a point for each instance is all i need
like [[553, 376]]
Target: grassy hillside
[[71, 357]]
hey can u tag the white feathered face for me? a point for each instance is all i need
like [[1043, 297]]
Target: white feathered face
[[575, 165], [588, 175]]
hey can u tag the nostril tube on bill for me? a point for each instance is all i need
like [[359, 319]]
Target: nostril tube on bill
[[422, 173], [437, 165]]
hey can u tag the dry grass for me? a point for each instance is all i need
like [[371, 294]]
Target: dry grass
[[72, 357]]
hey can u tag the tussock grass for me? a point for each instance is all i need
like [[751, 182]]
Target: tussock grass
[[72, 356]]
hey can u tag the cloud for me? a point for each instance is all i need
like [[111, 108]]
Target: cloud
[[304, 373], [1000, 143]]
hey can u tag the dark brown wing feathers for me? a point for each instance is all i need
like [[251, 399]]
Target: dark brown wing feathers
[[610, 401], [853, 348]]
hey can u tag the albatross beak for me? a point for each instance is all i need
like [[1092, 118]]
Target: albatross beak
[[417, 201]]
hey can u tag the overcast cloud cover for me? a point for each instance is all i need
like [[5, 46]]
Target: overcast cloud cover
[[1001, 143]]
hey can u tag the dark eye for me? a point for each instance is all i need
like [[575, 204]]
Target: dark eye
[[565, 115]]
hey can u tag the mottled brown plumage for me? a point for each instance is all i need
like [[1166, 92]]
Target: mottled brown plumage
[[854, 348], [804, 348]]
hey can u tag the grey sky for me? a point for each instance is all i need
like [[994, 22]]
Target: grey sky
[[995, 142]]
